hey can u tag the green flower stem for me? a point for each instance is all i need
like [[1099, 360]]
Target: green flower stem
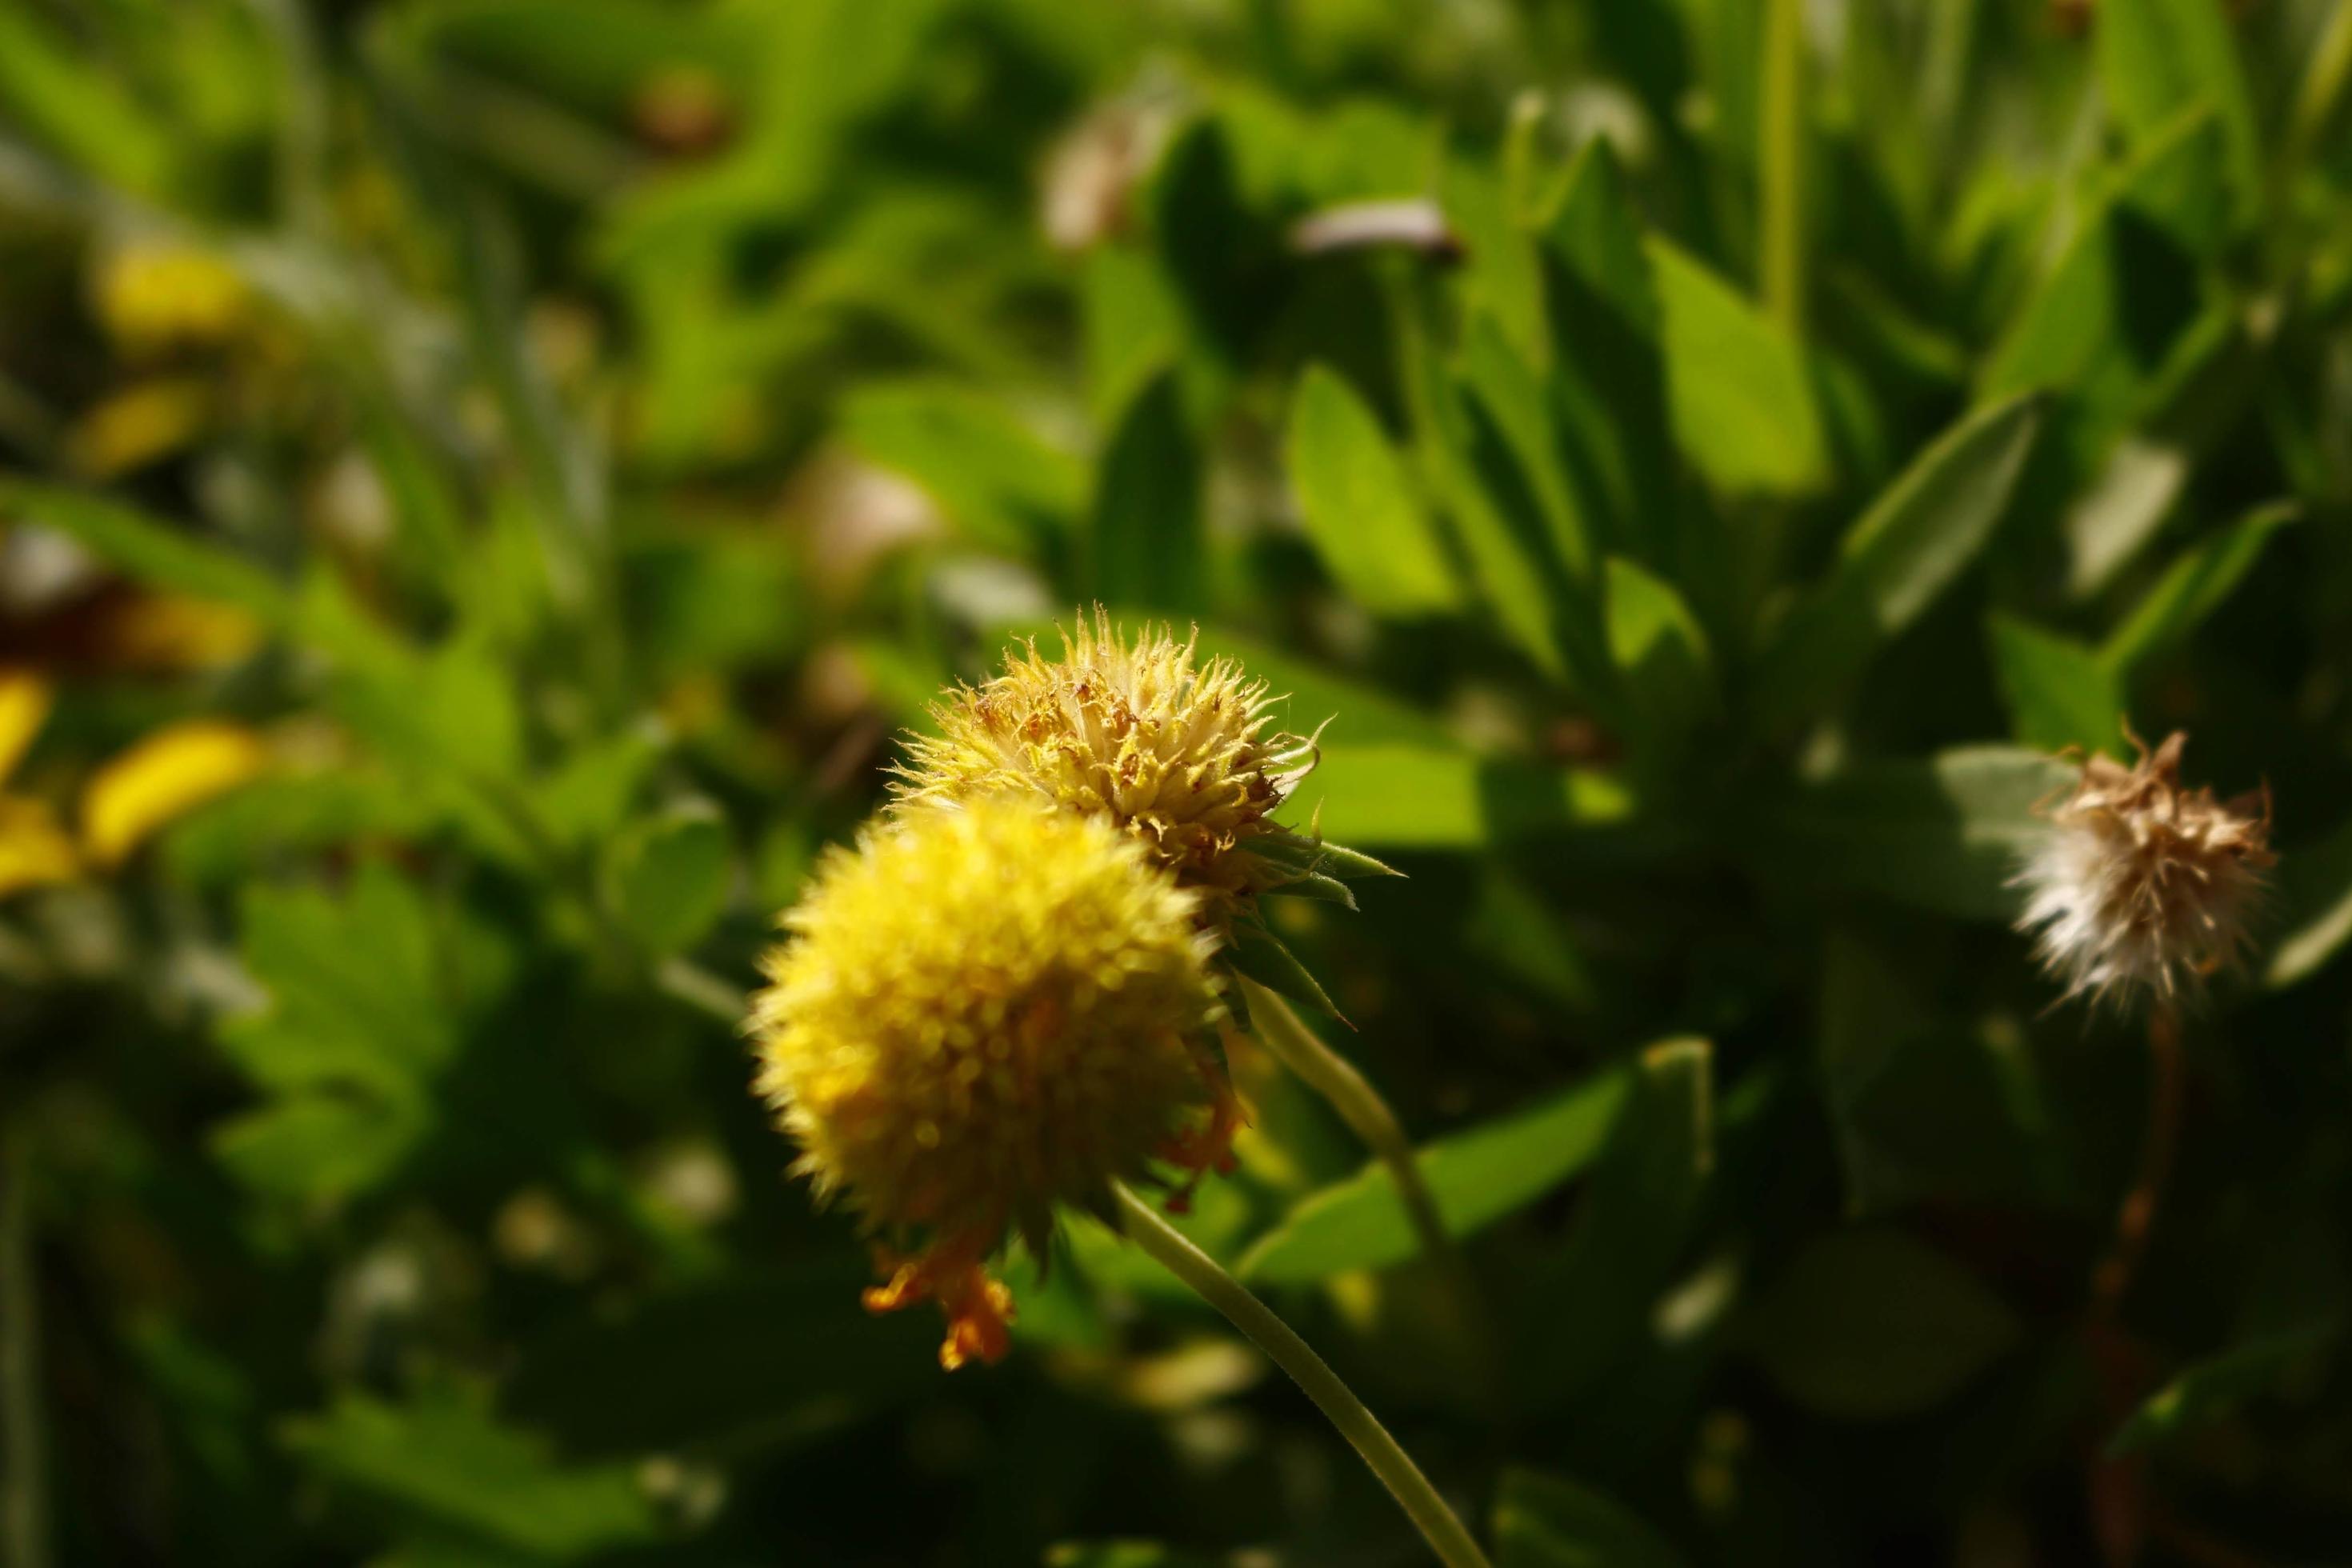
[[1780, 244], [24, 1481], [1144, 1226], [1288, 1040]]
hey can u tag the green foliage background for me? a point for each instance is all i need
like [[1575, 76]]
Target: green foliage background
[[632, 412]]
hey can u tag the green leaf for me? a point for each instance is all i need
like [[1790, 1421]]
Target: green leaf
[[1476, 1177], [1926, 1108], [671, 877], [2193, 587], [1358, 507], [1415, 797], [152, 551], [446, 1464], [1920, 534], [2060, 692], [2156, 54], [2220, 1384], [1121, 1554], [1548, 1521], [1588, 1304], [1946, 835], [1667, 673], [991, 474], [1146, 536], [695, 1366], [2315, 894], [1262, 956], [1868, 1325], [1609, 382], [361, 1018], [1742, 403]]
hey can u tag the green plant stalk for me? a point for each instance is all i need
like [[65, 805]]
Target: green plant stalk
[[24, 1481], [1781, 156], [1445, 1533], [2317, 102], [1288, 1039]]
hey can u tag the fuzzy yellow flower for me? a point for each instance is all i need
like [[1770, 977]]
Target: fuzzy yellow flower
[[158, 295], [985, 1011], [1174, 751]]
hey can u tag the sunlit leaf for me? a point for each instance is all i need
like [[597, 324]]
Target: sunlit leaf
[[1360, 512]]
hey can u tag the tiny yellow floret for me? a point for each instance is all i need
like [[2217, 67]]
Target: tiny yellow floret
[[1172, 751], [985, 1012]]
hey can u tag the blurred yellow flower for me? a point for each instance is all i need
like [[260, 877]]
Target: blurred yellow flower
[[138, 424], [985, 1011], [1172, 751], [154, 296], [164, 776], [25, 699]]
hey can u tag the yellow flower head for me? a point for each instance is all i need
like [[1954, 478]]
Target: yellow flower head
[[1173, 752], [157, 296], [985, 1012]]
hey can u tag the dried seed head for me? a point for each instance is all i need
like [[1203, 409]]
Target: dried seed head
[[2141, 886], [1173, 752], [982, 1013]]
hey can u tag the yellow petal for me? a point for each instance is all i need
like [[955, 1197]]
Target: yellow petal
[[170, 772], [23, 705], [34, 846], [167, 632], [137, 426]]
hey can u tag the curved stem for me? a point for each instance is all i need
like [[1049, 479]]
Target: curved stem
[[2136, 1216], [1289, 1041], [1144, 1226], [24, 1482]]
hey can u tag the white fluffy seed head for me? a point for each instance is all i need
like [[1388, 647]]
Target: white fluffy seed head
[[2140, 888]]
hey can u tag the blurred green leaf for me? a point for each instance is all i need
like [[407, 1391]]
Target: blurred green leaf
[[1609, 386], [1595, 1300], [671, 876], [1476, 1177], [2158, 55], [1945, 835], [1548, 1521], [1923, 532], [1414, 798], [1868, 1325], [2060, 692], [2316, 916], [1122, 1554], [1667, 670], [1360, 509], [1744, 413], [150, 551], [2196, 584], [759, 1355], [2221, 1385], [442, 1463], [991, 475], [1146, 538]]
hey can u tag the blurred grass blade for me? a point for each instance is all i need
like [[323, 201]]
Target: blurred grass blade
[[1549, 1521], [2219, 1385], [1780, 157], [2156, 54]]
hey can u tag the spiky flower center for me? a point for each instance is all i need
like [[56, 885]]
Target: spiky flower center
[[1174, 751], [2141, 885]]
